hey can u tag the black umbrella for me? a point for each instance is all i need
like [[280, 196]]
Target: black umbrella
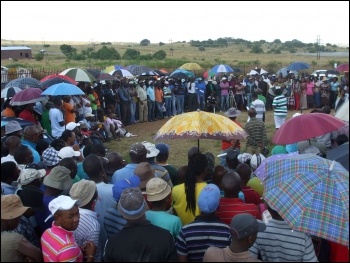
[[138, 69], [94, 72], [340, 154]]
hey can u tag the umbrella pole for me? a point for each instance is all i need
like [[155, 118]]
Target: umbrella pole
[[198, 145]]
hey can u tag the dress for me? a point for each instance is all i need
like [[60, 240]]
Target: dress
[[303, 98]]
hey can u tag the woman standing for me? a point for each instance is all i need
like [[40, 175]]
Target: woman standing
[[310, 93], [303, 98], [296, 92]]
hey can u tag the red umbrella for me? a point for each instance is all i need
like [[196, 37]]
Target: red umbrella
[[306, 126], [343, 67], [55, 79], [27, 96]]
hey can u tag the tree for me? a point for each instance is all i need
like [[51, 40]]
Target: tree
[[201, 48], [159, 55], [277, 41], [256, 49], [161, 44], [131, 54], [39, 56], [68, 50], [145, 42]]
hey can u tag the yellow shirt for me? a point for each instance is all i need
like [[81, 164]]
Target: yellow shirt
[[179, 202]]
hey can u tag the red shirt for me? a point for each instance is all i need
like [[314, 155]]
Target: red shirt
[[250, 196], [339, 253], [227, 144], [229, 207], [27, 115]]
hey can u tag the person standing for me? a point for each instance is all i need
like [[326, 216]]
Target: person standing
[[142, 101], [333, 92], [224, 86], [124, 103], [192, 103], [259, 106], [56, 118], [279, 105], [180, 96], [256, 130], [151, 101]]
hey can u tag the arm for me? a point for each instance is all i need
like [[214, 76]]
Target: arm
[[29, 251]]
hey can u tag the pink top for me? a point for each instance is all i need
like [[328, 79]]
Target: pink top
[[310, 88], [58, 245], [224, 87]]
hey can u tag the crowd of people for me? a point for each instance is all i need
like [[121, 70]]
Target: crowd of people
[[70, 200]]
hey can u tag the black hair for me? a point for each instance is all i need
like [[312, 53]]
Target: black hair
[[341, 139], [98, 149], [41, 146], [87, 150], [197, 165], [92, 166], [7, 169], [20, 154], [66, 135], [58, 144]]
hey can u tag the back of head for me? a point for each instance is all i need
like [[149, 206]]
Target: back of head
[[7, 171], [244, 172], [132, 205], [92, 166], [252, 112], [219, 172], [326, 109], [244, 225], [98, 149], [21, 155], [192, 151], [231, 184]]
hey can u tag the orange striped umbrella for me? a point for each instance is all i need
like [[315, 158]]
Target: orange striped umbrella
[[200, 125]]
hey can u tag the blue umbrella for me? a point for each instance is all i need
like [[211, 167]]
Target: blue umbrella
[[221, 68], [181, 74], [298, 66], [63, 89]]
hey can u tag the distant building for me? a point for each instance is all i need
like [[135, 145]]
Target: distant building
[[16, 52]]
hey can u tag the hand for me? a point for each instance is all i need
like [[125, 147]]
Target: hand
[[76, 147], [89, 249]]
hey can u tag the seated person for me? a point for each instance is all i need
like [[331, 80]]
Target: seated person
[[211, 102]]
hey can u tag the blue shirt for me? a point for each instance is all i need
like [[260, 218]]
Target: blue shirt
[[31, 146], [201, 88], [124, 173], [80, 171], [150, 93]]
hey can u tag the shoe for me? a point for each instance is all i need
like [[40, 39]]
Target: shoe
[[128, 134]]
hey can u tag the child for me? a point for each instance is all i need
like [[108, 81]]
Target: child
[[211, 102]]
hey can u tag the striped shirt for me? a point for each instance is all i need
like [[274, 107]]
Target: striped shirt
[[58, 245], [278, 243], [161, 172], [229, 207], [256, 131], [205, 231], [259, 106], [88, 230], [279, 105], [113, 221]]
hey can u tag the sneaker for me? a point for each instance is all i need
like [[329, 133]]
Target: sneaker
[[128, 134]]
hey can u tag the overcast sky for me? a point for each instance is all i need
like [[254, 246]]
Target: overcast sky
[[133, 21]]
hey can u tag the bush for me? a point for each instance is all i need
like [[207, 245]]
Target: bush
[[39, 56], [46, 45], [201, 48], [145, 42], [161, 44]]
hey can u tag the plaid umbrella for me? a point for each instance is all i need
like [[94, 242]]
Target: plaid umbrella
[[78, 75], [23, 83], [200, 125], [311, 194], [137, 69]]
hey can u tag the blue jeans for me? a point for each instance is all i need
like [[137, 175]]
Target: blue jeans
[[201, 102], [180, 103], [150, 110], [117, 110], [168, 106], [224, 102], [249, 99], [159, 109], [173, 105], [132, 111]]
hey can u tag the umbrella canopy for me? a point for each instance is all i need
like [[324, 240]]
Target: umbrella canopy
[[79, 75], [161, 72], [111, 68], [343, 67], [340, 154], [208, 74], [285, 72], [9, 92], [149, 73], [200, 125], [221, 68], [63, 89], [27, 96], [94, 72], [55, 79], [258, 71], [23, 83], [343, 111], [298, 66], [311, 194], [191, 66], [306, 126], [137, 69], [181, 74], [104, 76], [120, 73]]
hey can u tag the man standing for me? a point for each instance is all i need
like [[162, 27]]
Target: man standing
[[259, 106], [56, 118], [256, 130], [279, 105], [142, 101]]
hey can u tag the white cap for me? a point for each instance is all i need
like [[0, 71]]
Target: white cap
[[61, 202], [89, 115], [68, 151], [28, 175], [153, 151], [72, 125]]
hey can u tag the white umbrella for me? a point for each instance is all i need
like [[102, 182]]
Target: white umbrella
[[78, 75], [343, 112]]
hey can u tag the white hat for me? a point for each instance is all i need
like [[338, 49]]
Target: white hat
[[166, 82], [68, 151], [256, 160], [88, 115], [183, 80], [72, 125], [153, 151], [223, 78], [61, 202], [28, 175]]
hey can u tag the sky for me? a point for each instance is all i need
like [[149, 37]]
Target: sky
[[133, 21]]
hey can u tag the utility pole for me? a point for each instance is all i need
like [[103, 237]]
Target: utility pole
[[319, 47], [172, 47]]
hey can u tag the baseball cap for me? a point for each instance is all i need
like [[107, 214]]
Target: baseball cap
[[68, 151], [244, 225], [121, 185], [132, 204], [209, 197], [29, 174], [157, 189], [162, 148], [72, 125], [32, 197], [256, 160], [59, 178], [138, 149], [151, 148], [84, 190], [12, 126], [11, 206], [145, 172], [88, 115], [83, 125], [61, 202]]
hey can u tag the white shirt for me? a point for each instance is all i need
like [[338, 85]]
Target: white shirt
[[8, 158], [56, 116]]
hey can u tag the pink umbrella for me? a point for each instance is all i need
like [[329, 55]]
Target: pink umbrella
[[27, 96], [343, 67]]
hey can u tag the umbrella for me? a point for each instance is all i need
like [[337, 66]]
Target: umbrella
[[27, 96], [221, 68], [161, 72], [306, 126], [208, 74], [78, 75], [236, 70], [110, 68], [94, 72], [9, 92], [343, 67], [149, 73], [121, 73], [23, 83], [200, 125], [190, 66], [63, 89], [298, 66], [311, 194], [55, 79], [137, 69], [332, 72], [258, 71], [340, 154], [104, 76], [342, 112], [285, 72], [181, 74]]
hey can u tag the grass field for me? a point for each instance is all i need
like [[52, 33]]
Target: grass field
[[179, 147]]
